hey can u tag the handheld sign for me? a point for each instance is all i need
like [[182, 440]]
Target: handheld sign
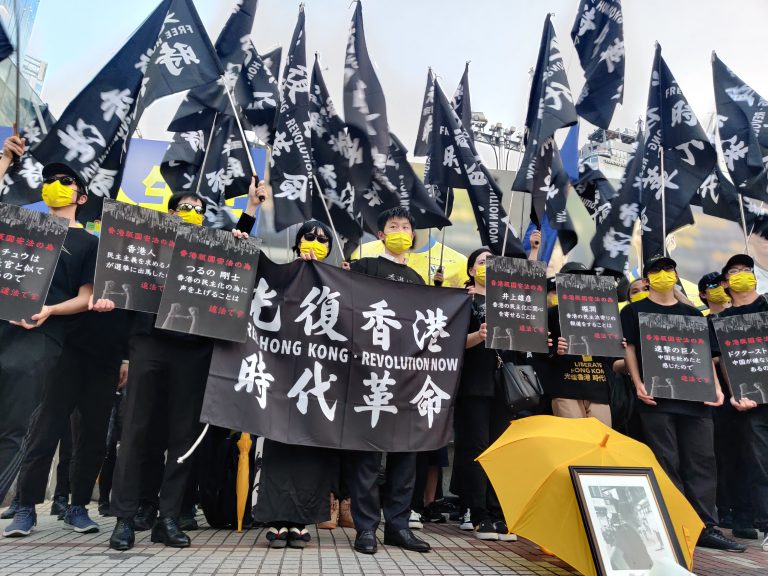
[[677, 361], [135, 250], [516, 304], [210, 284], [30, 244], [743, 343], [589, 315]]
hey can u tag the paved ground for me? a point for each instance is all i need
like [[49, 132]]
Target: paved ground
[[53, 550]]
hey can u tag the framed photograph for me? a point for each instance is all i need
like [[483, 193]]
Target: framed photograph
[[625, 518]]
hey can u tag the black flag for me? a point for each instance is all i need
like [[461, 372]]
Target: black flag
[[169, 53], [462, 103], [595, 191], [291, 162], [743, 131], [6, 48], [421, 148], [689, 157], [718, 197], [598, 34]]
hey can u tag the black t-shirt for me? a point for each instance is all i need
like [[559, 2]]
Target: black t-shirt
[[630, 325], [477, 373], [381, 267], [101, 338]]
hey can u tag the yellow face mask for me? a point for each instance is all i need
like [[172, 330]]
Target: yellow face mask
[[717, 295], [662, 281], [56, 195], [480, 274], [637, 296], [398, 242], [553, 301], [320, 249], [191, 217], [742, 282]]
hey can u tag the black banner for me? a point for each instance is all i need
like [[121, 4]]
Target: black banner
[[135, 250], [30, 244], [516, 304], [589, 315], [743, 341], [210, 283], [677, 361], [342, 360]]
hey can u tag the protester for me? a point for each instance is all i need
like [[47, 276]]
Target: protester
[[679, 433], [712, 292]]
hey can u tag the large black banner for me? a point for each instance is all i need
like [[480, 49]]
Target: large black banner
[[677, 361], [342, 360], [30, 244], [589, 315], [210, 282], [135, 250], [743, 341], [516, 304]]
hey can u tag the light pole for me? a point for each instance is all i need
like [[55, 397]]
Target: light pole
[[501, 140]]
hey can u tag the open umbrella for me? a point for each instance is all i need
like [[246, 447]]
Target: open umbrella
[[243, 483], [528, 467]]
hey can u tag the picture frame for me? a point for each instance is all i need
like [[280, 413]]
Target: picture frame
[[625, 518]]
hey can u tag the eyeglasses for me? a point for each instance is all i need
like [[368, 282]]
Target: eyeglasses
[[665, 268], [733, 271], [311, 237], [66, 180], [189, 208], [713, 286]]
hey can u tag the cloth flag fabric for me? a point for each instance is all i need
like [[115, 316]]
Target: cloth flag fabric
[[595, 191], [421, 148], [6, 48]]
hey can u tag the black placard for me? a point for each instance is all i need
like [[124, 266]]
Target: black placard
[[135, 250], [743, 341], [210, 283], [589, 315], [516, 304], [677, 361], [30, 244]]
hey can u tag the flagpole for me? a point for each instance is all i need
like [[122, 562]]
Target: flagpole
[[328, 213], [743, 224], [362, 231], [429, 257], [442, 242], [18, 69], [201, 174], [242, 132], [663, 203]]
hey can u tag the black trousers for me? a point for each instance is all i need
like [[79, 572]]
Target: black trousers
[[65, 457], [477, 422], [27, 360], [162, 369], [368, 498], [81, 384], [110, 457], [685, 448], [734, 465], [758, 441]]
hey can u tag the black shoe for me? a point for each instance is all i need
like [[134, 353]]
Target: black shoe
[[187, 521], [433, 515], [745, 533], [405, 538], [365, 542], [713, 538], [104, 509], [166, 531], [10, 512], [726, 520], [123, 535], [59, 506], [145, 518]]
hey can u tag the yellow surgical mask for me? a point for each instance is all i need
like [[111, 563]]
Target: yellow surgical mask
[[717, 295], [56, 195], [637, 296], [398, 242], [742, 282], [191, 217], [662, 281], [480, 274], [320, 249], [553, 300]]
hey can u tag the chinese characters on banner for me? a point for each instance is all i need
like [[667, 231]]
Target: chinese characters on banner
[[135, 250], [342, 360], [677, 360], [30, 244], [210, 283], [743, 344], [589, 315], [516, 304]]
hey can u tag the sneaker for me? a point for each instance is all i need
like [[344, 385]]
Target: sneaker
[[77, 518], [277, 537], [713, 538], [466, 522], [486, 531], [765, 542], [433, 515], [415, 521], [10, 512], [298, 538], [59, 506], [745, 533], [23, 522], [504, 534]]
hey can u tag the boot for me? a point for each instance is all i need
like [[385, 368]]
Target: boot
[[345, 514], [334, 521]]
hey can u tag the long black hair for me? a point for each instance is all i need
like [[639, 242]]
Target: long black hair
[[311, 226], [471, 259]]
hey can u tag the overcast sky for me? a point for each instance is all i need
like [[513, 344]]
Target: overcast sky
[[500, 37]]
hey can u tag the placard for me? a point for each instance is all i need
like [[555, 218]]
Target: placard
[[589, 315], [135, 248], [677, 360], [743, 341], [210, 284], [516, 304], [30, 244]]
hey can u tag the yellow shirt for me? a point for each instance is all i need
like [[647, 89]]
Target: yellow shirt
[[454, 263]]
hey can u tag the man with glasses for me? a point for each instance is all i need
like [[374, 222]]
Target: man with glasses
[[680, 433]]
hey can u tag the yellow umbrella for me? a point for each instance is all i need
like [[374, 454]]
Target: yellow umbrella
[[528, 467], [243, 477]]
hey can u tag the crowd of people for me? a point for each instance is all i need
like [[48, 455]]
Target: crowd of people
[[126, 398]]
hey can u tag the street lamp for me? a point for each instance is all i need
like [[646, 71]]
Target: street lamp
[[501, 140]]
